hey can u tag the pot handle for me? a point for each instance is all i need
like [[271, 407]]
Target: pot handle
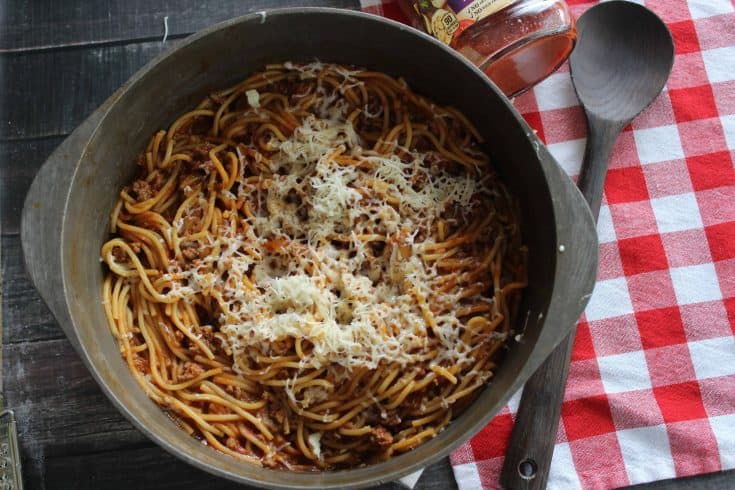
[[576, 254], [42, 216], [529, 455]]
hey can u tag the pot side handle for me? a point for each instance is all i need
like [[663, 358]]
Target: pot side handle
[[42, 217], [576, 254]]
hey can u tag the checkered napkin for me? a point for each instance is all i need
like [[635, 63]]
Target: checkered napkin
[[651, 390]]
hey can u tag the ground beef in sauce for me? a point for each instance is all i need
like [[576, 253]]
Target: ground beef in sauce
[[233, 445], [192, 222], [120, 256], [236, 391], [190, 250], [141, 364], [200, 158], [381, 437], [206, 335], [216, 408], [392, 419], [136, 246], [276, 413], [191, 370], [142, 190]]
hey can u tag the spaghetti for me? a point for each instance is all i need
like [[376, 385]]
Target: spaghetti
[[315, 269]]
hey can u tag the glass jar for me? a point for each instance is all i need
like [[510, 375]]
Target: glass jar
[[517, 43]]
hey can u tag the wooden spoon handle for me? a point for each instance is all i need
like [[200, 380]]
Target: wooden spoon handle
[[528, 459], [600, 141]]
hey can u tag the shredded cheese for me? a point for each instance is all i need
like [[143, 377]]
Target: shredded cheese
[[281, 275], [253, 98], [315, 442]]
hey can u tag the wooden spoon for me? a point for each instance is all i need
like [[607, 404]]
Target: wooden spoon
[[623, 58]]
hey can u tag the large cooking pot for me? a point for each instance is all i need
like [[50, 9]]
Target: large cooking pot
[[66, 213]]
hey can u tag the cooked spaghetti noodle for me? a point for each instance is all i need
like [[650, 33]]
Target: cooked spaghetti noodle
[[315, 269]]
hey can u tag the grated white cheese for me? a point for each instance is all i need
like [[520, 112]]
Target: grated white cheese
[[253, 98], [353, 312], [314, 440]]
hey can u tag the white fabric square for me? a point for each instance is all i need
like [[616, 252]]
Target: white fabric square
[[713, 357], [412, 479], [659, 144], [609, 299], [695, 284], [624, 372], [719, 63], [556, 92], [724, 429], [647, 454], [514, 401], [569, 154], [676, 213], [467, 476], [605, 228], [562, 475], [708, 8], [728, 124]]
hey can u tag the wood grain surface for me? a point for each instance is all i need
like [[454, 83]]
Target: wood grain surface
[[51, 24], [58, 61]]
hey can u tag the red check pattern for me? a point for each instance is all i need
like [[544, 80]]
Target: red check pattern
[[651, 391]]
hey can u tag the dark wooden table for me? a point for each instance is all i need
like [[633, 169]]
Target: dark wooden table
[[58, 61]]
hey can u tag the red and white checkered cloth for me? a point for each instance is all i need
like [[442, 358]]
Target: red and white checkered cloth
[[651, 390]]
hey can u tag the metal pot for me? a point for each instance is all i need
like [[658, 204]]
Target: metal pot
[[66, 213]]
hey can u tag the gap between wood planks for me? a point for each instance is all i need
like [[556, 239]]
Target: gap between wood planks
[[101, 43]]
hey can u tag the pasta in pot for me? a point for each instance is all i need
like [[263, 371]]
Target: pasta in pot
[[315, 269]]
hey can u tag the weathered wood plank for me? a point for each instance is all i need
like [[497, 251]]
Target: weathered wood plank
[[43, 25], [144, 468], [58, 404], [19, 162], [438, 476], [151, 467], [25, 315], [723, 480], [59, 408], [49, 93]]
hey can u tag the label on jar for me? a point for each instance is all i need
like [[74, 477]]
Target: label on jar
[[439, 20], [443, 25], [446, 19], [474, 10]]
